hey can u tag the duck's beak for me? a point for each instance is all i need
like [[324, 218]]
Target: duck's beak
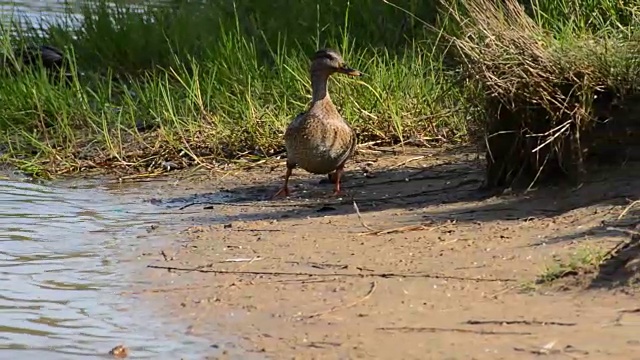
[[349, 71]]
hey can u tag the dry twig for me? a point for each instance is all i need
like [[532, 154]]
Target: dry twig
[[405, 162], [238, 260], [518, 322], [457, 330], [626, 231], [624, 212], [620, 244], [342, 307], [364, 225], [343, 274], [400, 229]]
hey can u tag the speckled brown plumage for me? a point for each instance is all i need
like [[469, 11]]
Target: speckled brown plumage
[[319, 140]]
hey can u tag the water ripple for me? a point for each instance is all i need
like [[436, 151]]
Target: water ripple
[[60, 273]]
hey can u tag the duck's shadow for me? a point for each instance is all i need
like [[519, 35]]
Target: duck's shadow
[[397, 188], [450, 190]]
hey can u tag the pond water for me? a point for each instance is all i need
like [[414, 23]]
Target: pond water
[[64, 258], [48, 11], [36, 12]]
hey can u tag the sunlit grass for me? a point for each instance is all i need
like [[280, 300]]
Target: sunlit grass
[[219, 80], [216, 87]]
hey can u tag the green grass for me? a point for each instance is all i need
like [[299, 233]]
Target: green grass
[[584, 260], [221, 80]]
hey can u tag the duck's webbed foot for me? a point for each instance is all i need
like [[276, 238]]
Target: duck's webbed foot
[[284, 190]]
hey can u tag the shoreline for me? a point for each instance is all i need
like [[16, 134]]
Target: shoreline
[[429, 262]]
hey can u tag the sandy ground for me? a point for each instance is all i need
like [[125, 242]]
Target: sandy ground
[[433, 268]]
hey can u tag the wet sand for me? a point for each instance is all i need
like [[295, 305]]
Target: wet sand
[[430, 268]]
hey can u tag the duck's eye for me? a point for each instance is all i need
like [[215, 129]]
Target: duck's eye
[[329, 57]]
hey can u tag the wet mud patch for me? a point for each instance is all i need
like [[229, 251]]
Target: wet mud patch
[[183, 202]]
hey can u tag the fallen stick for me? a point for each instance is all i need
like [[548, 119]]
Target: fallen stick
[[400, 229], [457, 330], [344, 274], [518, 322], [364, 225], [626, 210], [342, 307]]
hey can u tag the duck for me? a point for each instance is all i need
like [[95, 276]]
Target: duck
[[52, 59], [319, 140]]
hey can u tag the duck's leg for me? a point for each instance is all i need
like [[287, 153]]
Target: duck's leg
[[331, 177], [284, 190], [337, 176]]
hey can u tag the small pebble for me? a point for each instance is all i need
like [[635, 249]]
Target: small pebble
[[119, 352], [169, 165]]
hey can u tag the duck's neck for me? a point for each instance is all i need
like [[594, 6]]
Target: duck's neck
[[319, 86]]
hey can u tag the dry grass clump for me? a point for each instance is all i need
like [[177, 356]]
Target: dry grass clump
[[548, 96]]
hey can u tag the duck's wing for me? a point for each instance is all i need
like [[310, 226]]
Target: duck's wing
[[354, 142], [295, 124], [352, 146], [291, 137]]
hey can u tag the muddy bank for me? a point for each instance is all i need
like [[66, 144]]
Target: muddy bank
[[430, 262]]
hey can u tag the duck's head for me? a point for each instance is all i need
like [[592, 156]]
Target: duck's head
[[329, 61]]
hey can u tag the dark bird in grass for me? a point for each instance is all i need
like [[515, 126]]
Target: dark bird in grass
[[319, 140], [51, 57], [30, 56]]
